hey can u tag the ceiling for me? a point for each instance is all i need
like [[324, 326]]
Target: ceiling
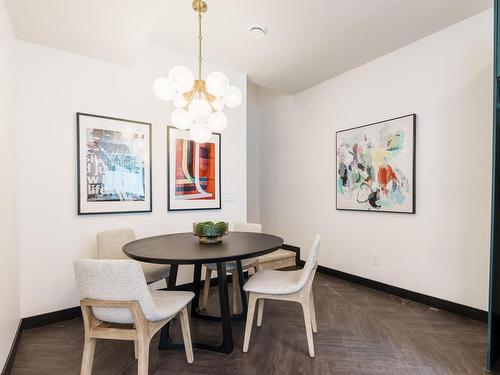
[[307, 41], [111, 30]]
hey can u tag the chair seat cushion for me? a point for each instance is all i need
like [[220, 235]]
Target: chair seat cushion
[[169, 302], [166, 304], [155, 272], [274, 282], [231, 266]]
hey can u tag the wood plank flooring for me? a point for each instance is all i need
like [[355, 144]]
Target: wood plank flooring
[[360, 331]]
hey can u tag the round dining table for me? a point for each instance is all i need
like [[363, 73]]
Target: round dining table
[[185, 248]]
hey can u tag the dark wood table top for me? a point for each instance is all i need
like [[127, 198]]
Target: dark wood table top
[[185, 248]]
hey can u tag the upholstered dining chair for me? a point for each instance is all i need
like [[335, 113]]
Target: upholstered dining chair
[[232, 269], [285, 286], [110, 244], [114, 293]]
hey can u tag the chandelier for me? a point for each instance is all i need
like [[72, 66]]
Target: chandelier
[[198, 103]]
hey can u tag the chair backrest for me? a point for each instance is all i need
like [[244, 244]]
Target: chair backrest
[[247, 227], [110, 243], [312, 261], [114, 280]]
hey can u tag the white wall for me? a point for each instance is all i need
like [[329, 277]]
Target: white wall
[[441, 251], [9, 264], [253, 154], [52, 86]]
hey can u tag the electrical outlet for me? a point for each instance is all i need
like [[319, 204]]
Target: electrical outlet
[[375, 259]]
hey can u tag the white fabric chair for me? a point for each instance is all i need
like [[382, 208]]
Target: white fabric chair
[[232, 269], [110, 244], [115, 291], [285, 286]]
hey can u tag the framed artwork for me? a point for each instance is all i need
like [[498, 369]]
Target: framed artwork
[[114, 165], [194, 181], [375, 166]]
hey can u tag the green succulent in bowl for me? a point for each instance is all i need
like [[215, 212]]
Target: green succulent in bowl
[[198, 228], [210, 232], [221, 227]]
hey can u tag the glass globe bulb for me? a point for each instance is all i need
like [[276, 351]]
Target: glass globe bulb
[[217, 83], [179, 100], [232, 97], [200, 132], [163, 89], [218, 104], [217, 121], [182, 79], [199, 109], [181, 119]]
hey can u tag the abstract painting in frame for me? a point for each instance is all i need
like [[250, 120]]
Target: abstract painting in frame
[[375, 166], [194, 181], [114, 165]]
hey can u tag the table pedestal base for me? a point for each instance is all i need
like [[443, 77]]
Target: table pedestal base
[[227, 335]]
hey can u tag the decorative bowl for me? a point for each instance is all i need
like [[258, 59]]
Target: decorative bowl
[[210, 232]]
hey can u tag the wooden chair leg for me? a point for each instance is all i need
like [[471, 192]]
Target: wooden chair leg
[[249, 323], [260, 312], [307, 320], [136, 348], [186, 335], [236, 292], [313, 313], [88, 356], [206, 289], [143, 360]]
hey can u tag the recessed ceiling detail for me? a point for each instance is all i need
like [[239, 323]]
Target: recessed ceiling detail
[[311, 41]]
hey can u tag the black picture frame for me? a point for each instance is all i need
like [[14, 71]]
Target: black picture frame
[[413, 173], [80, 210], [169, 192]]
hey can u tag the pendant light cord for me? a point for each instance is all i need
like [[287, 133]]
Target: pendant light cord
[[199, 44]]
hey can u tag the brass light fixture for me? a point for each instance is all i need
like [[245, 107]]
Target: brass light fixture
[[199, 103]]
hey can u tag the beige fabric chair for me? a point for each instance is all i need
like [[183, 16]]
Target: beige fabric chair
[[232, 269], [285, 286], [110, 244], [115, 291]]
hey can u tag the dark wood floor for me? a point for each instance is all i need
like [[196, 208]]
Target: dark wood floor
[[361, 331]]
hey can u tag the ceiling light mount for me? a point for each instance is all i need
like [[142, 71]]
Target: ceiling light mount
[[200, 6]]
